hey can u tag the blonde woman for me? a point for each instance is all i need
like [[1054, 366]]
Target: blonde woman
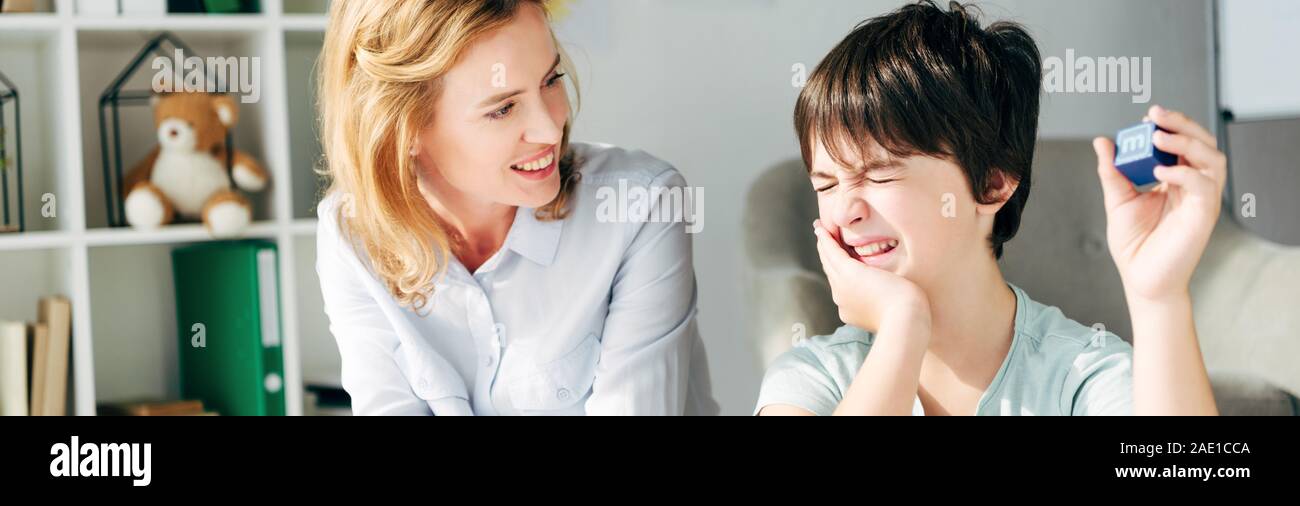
[[463, 265]]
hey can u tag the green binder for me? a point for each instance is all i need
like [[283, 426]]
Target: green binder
[[228, 314]]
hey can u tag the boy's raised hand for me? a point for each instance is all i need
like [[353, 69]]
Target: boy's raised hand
[[1157, 237]]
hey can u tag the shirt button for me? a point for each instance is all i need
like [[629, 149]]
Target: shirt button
[[487, 361], [424, 385], [562, 394]]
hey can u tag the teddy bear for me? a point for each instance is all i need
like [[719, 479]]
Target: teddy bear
[[185, 175]]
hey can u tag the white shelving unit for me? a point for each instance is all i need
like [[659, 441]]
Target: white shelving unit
[[119, 279]]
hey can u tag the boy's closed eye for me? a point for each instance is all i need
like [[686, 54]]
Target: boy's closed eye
[[822, 182], [876, 171]]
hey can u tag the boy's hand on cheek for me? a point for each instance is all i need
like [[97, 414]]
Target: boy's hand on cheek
[[1157, 237], [867, 297]]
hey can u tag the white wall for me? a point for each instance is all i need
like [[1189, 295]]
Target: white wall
[[707, 86], [1258, 59], [1260, 72]]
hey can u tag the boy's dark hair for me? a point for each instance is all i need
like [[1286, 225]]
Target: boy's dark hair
[[924, 81]]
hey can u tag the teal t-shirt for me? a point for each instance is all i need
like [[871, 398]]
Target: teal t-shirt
[[1055, 366]]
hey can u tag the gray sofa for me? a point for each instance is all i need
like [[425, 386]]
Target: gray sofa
[[1246, 292]]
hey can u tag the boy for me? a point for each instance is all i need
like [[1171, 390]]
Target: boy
[[918, 130]]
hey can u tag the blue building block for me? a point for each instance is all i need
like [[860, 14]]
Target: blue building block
[[1137, 157]]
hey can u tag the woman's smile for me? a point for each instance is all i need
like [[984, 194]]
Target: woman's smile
[[539, 166]]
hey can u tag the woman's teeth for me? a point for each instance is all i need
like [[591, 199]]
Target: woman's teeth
[[538, 164], [876, 248]]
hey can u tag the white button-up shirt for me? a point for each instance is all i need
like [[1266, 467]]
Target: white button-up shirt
[[584, 315]]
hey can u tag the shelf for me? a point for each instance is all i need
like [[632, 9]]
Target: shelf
[[103, 54], [39, 272], [31, 60], [40, 21], [35, 240], [320, 353], [126, 236], [119, 279], [300, 52], [133, 320], [189, 232], [304, 22], [303, 226], [173, 22], [305, 6]]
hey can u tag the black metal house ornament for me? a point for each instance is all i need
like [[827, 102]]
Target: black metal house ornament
[[14, 219], [162, 45]]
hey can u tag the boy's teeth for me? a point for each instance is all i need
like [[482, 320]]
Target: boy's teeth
[[876, 247]]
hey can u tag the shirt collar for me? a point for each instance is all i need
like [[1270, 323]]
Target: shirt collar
[[534, 239]]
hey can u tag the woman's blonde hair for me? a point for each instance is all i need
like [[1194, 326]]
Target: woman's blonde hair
[[380, 69]]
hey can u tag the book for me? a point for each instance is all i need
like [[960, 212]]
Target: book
[[152, 408], [228, 314], [326, 400], [184, 6], [221, 6], [231, 6], [17, 6], [38, 347], [13, 369], [50, 357]]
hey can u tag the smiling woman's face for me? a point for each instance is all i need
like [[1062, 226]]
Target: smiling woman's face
[[499, 118], [912, 216]]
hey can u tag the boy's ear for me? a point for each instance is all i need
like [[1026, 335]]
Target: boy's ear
[[1000, 189]]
